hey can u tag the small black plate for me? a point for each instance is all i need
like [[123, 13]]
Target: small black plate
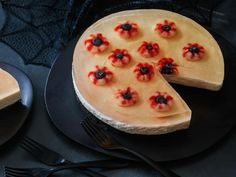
[[13, 117], [213, 112]]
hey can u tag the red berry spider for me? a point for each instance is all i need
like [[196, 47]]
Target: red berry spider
[[100, 76], [96, 43], [193, 52], [166, 29], [119, 57], [148, 49], [127, 29], [167, 66], [126, 97], [144, 71], [161, 101]]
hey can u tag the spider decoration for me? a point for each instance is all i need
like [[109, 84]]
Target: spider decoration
[[127, 29], [100, 76], [144, 71], [119, 57], [167, 66], [193, 52], [166, 29], [126, 97], [148, 49], [161, 101], [96, 43]]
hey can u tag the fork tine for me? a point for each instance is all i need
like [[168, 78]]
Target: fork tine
[[99, 131], [31, 146], [32, 143], [91, 134], [15, 171], [12, 175], [25, 144], [12, 170], [32, 151], [16, 174], [6, 175]]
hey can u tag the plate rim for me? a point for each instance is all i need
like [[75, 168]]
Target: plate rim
[[27, 102]]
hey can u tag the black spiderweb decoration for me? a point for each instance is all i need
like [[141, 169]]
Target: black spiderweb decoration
[[31, 27], [39, 29]]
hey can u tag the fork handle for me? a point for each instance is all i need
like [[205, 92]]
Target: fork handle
[[162, 170], [87, 172], [92, 173], [109, 164]]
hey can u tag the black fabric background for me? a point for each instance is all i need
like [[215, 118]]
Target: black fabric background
[[38, 30]]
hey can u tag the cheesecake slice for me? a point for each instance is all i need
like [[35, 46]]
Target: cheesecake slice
[[122, 65], [9, 89]]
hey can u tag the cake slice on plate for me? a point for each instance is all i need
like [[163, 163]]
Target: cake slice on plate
[[9, 89]]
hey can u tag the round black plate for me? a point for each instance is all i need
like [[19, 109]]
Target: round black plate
[[213, 112], [13, 117]]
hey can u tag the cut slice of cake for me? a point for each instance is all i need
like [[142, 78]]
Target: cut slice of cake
[[122, 63], [139, 118], [9, 89]]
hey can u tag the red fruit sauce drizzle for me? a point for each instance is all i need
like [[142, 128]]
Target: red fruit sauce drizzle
[[195, 51], [119, 57], [166, 29], [127, 29], [127, 96], [104, 75], [167, 66], [144, 71], [148, 49], [160, 101], [96, 43]]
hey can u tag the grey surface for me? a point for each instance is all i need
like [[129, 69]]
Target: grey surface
[[219, 161]]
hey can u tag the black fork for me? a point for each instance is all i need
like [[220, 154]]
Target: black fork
[[42, 153], [53, 158], [106, 141], [45, 172]]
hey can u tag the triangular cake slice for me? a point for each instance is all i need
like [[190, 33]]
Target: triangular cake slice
[[138, 118], [9, 89], [119, 63]]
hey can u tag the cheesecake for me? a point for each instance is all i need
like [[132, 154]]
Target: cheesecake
[[123, 63]]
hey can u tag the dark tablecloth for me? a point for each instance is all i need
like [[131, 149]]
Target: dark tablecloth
[[218, 161]]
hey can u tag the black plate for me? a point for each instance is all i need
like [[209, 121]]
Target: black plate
[[13, 117], [213, 112]]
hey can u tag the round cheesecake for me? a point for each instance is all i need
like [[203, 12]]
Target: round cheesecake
[[122, 65]]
